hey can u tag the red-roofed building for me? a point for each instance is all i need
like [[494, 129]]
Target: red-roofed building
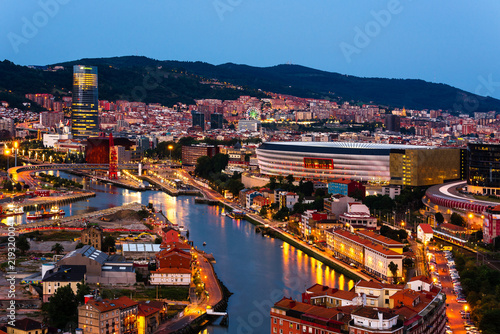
[[148, 319], [424, 233]]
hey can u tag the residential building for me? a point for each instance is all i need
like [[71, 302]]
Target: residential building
[[26, 326], [391, 191], [171, 277], [84, 108], [99, 317], [288, 199], [148, 319], [346, 187], [376, 294], [376, 238], [322, 295], [128, 314], [369, 320], [307, 220], [291, 317], [373, 257], [337, 204], [358, 217], [62, 276], [92, 236], [51, 119], [425, 232]]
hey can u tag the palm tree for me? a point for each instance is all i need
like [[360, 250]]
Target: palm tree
[[394, 271], [57, 248]]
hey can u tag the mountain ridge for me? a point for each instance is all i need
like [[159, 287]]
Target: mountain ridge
[[179, 81]]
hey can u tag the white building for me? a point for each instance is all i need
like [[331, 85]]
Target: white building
[[171, 276], [424, 233], [391, 191]]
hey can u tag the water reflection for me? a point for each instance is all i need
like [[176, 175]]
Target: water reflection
[[258, 270]]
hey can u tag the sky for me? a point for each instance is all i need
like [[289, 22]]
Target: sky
[[453, 42]]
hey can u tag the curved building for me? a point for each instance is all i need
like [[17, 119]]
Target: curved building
[[379, 163]]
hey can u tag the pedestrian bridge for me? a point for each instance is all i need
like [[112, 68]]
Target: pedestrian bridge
[[42, 167]]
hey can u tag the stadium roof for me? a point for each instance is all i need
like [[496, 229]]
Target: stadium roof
[[339, 147]]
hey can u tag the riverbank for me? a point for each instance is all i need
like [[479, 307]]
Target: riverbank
[[37, 202], [118, 183], [170, 190]]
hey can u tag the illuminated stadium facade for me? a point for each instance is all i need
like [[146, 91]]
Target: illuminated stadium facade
[[378, 163]]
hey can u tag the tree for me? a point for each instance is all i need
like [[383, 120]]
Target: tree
[[457, 219], [263, 211], [439, 217], [289, 180], [307, 188], [234, 186], [272, 183], [108, 245], [82, 289], [79, 245], [158, 240], [62, 307], [23, 245], [394, 270], [490, 322], [57, 248]]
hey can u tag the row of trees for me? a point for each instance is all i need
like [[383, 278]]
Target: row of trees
[[481, 285]]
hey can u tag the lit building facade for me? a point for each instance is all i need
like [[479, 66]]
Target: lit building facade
[[484, 169], [378, 163], [84, 108]]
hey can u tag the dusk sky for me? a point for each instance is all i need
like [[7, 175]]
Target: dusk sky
[[453, 42]]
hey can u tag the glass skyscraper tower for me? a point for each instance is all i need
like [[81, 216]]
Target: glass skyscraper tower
[[84, 108]]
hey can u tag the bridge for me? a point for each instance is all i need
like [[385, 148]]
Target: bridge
[[22, 173]]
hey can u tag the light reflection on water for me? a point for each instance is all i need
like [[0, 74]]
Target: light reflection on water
[[258, 270]]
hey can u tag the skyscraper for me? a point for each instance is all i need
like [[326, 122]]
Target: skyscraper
[[198, 119], [392, 123], [216, 121], [84, 109]]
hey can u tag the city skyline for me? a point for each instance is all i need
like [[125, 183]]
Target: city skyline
[[394, 39]]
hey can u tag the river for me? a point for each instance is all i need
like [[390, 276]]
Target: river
[[258, 270]]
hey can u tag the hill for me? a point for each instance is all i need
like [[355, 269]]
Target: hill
[[168, 82]]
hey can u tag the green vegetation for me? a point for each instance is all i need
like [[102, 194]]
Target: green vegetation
[[58, 182], [108, 244], [22, 244], [481, 285], [457, 219], [398, 235], [439, 217], [82, 289], [62, 307], [147, 293], [57, 248]]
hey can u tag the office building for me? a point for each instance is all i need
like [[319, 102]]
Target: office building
[[216, 121], [250, 125], [484, 169], [392, 123], [84, 108], [198, 119], [190, 154]]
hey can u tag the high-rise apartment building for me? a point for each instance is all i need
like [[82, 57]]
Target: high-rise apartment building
[[84, 108]]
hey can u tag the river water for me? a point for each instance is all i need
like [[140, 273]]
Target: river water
[[258, 271]]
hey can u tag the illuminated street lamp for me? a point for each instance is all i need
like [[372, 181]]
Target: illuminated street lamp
[[170, 148], [16, 145], [7, 153]]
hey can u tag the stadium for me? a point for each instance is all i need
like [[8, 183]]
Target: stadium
[[368, 162]]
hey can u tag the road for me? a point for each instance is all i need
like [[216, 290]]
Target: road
[[273, 224], [420, 257], [453, 307]]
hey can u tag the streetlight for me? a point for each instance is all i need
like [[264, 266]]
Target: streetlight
[[16, 145], [170, 148], [7, 153]]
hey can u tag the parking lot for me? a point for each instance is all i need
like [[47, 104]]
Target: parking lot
[[444, 274]]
